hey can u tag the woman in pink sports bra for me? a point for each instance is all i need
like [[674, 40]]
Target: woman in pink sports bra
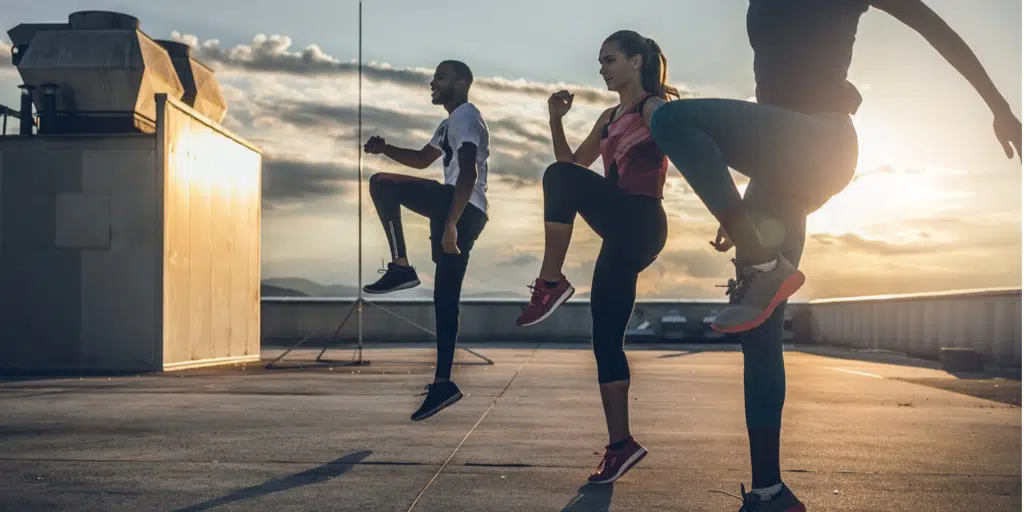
[[623, 207]]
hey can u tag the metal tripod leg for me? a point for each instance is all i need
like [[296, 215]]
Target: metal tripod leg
[[352, 309], [356, 305], [428, 331]]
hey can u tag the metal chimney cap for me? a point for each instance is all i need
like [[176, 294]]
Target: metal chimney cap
[[175, 48], [84, 20]]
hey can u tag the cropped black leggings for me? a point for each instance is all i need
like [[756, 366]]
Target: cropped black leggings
[[634, 230]]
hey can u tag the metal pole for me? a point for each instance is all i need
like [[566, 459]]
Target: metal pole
[[359, 152]]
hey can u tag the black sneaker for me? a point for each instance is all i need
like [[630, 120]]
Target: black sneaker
[[782, 501], [396, 277], [439, 396]]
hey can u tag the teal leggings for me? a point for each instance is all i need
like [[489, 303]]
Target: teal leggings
[[796, 162]]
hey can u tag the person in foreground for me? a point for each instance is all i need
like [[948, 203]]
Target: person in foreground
[[623, 207], [798, 146], [456, 209]]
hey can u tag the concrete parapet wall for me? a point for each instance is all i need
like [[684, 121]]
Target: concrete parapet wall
[[988, 321], [289, 318]]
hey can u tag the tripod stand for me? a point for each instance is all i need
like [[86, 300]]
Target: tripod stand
[[357, 357]]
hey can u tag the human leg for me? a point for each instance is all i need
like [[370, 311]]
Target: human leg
[[448, 280], [629, 247], [569, 189], [764, 376], [612, 298], [390, 192], [812, 157]]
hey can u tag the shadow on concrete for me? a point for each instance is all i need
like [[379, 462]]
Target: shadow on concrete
[[900, 359], [591, 498], [1002, 391], [313, 476], [13, 375], [696, 349]]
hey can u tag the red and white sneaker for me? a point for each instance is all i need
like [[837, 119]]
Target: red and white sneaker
[[544, 301], [617, 462]]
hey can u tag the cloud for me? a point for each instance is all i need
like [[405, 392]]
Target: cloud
[[273, 54], [375, 119], [5, 55], [520, 147], [292, 180], [854, 242]]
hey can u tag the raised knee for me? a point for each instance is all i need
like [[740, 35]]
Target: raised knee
[[661, 118], [668, 115], [376, 181], [556, 173]]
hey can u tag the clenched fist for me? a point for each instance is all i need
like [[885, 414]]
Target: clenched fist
[[559, 104], [375, 145]]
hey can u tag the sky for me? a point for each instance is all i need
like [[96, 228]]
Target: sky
[[935, 204]]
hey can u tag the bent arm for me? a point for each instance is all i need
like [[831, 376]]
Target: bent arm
[[588, 151], [415, 158], [918, 16], [468, 133], [464, 183]]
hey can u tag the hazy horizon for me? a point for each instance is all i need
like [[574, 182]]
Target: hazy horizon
[[935, 204]]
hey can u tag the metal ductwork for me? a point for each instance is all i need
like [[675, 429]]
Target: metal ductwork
[[202, 91], [106, 73]]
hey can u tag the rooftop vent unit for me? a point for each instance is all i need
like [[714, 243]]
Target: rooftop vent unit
[[99, 73]]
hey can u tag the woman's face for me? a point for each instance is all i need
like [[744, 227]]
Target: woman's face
[[617, 70]]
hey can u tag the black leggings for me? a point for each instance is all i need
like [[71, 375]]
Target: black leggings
[[432, 200], [634, 230]]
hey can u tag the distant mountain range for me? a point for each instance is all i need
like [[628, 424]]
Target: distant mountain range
[[300, 287]]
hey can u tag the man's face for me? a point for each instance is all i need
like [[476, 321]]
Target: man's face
[[442, 87]]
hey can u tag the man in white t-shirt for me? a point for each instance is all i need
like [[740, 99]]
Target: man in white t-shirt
[[456, 208]]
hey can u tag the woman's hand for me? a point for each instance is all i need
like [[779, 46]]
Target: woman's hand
[[559, 104]]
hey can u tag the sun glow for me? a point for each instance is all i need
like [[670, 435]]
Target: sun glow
[[891, 185]]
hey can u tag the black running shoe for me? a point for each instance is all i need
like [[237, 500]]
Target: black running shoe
[[439, 396], [396, 277], [782, 501]]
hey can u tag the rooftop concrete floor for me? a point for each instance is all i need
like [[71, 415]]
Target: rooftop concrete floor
[[862, 432]]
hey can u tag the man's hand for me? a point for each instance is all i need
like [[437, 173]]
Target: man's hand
[[449, 239], [375, 145], [722, 241]]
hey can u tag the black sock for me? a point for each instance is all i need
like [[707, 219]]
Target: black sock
[[551, 284], [620, 443], [764, 457]]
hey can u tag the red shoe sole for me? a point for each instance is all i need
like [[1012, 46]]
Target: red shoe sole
[[788, 288]]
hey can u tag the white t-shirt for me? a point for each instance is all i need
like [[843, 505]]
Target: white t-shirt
[[464, 124]]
